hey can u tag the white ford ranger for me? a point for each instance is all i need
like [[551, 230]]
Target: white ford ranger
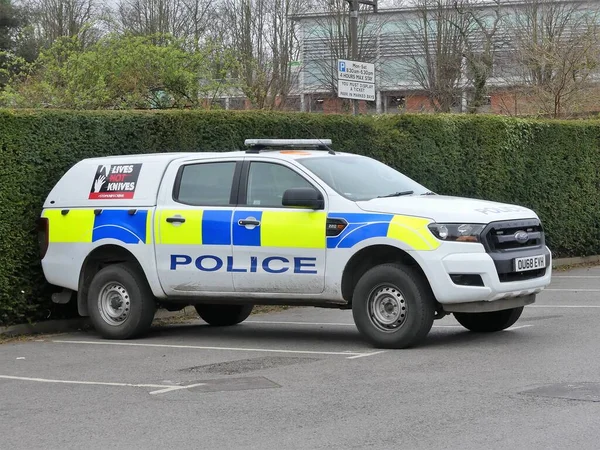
[[287, 222]]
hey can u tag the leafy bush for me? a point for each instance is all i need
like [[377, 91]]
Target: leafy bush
[[117, 72], [549, 166]]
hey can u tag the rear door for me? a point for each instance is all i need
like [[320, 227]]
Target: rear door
[[193, 226], [277, 249]]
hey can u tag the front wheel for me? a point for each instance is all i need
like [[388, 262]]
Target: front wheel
[[224, 315], [392, 306], [489, 322]]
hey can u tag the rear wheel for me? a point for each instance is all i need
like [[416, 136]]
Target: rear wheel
[[392, 306], [489, 322], [120, 302], [224, 315]]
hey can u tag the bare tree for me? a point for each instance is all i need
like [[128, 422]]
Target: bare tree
[[557, 52], [265, 42], [53, 19], [148, 17], [479, 25], [285, 49], [437, 35], [199, 14]]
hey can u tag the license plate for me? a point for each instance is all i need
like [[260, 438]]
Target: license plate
[[530, 263]]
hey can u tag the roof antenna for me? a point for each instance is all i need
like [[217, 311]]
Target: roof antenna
[[329, 149]]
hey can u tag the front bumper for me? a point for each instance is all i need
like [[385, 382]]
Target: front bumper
[[494, 274]]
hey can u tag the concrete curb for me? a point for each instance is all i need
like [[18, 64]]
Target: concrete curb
[[63, 326], [561, 262], [66, 325]]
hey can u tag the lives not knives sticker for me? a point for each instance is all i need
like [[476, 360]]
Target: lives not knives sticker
[[115, 181]]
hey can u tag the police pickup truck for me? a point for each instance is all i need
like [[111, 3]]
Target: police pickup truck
[[285, 222]]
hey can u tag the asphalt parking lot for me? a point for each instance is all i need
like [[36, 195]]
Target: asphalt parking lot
[[304, 379]]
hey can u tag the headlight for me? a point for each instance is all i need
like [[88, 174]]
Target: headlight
[[465, 232]]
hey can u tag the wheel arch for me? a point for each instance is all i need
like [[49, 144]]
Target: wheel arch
[[96, 260], [371, 256]]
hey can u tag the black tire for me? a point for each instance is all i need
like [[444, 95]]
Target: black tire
[[400, 286], [224, 315], [489, 322], [126, 286]]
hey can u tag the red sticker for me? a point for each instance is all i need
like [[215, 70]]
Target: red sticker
[[115, 182]]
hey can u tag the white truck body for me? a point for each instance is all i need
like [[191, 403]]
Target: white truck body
[[246, 249]]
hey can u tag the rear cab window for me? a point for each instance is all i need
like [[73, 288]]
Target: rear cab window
[[267, 181]]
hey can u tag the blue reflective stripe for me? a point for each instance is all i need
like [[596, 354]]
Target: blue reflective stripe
[[241, 234], [361, 226], [120, 225], [216, 227], [363, 232]]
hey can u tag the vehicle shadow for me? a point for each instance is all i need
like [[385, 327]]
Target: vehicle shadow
[[460, 338], [244, 333], [247, 334]]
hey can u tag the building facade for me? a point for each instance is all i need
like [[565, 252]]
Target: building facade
[[504, 57]]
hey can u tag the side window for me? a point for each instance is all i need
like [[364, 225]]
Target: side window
[[267, 182], [205, 184]]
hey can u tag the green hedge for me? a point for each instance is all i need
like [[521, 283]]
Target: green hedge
[[549, 166]]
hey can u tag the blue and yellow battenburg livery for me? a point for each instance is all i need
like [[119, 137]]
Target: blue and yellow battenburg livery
[[290, 229]]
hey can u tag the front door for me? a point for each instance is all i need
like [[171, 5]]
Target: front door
[[277, 249], [193, 228]]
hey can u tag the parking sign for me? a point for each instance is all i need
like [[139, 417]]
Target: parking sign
[[356, 80]]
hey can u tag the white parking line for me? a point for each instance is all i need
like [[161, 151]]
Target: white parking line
[[572, 290], [334, 324], [518, 327], [563, 306], [199, 347], [165, 388], [273, 322], [575, 276], [367, 354], [351, 325], [176, 388]]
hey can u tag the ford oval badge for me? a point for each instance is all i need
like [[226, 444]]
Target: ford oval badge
[[521, 237]]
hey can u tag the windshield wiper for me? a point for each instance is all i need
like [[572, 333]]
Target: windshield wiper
[[396, 194], [429, 193]]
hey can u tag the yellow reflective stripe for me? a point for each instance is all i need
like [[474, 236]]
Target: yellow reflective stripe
[[76, 226], [412, 231], [158, 226], [293, 229], [187, 233], [149, 231]]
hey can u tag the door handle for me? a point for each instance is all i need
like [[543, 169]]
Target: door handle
[[176, 219], [244, 222]]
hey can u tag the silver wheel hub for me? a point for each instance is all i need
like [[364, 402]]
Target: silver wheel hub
[[114, 304], [387, 308]]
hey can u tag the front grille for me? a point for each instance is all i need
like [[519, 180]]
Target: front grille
[[521, 276], [501, 241], [502, 236]]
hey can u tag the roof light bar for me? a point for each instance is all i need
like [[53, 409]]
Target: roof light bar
[[287, 142], [255, 145]]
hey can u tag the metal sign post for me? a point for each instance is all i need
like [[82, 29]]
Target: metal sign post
[[348, 89]]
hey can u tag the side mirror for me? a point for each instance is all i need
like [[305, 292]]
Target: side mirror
[[303, 198]]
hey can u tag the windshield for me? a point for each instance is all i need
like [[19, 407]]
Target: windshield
[[359, 178]]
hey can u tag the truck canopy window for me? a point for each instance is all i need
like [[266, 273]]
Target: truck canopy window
[[205, 184]]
